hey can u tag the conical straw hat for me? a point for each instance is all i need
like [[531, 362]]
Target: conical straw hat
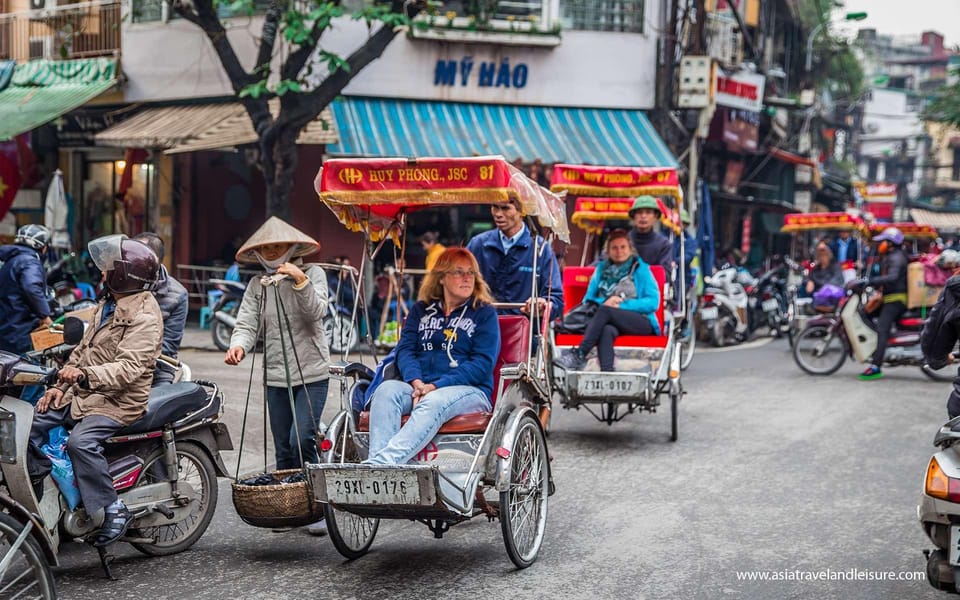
[[277, 231]]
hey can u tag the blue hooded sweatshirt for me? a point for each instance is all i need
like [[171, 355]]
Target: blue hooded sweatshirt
[[474, 338], [23, 300]]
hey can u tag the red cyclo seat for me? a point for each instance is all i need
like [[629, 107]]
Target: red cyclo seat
[[575, 283], [514, 341]]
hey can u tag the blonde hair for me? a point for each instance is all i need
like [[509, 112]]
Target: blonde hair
[[431, 290]]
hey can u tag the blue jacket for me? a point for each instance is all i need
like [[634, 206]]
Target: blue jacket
[[23, 299], [648, 293], [475, 337], [510, 275]]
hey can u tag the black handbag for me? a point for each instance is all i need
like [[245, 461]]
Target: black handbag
[[576, 320]]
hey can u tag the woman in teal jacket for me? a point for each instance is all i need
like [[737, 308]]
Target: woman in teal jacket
[[627, 296]]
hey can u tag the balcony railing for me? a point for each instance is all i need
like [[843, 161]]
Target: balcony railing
[[72, 31]]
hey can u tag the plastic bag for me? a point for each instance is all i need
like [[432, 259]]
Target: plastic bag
[[828, 295], [63, 476]]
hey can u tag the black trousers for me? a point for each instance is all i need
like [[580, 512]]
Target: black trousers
[[889, 313], [85, 447], [604, 328]]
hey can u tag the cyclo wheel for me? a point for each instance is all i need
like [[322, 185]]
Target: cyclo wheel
[[687, 346], [818, 351], [28, 575], [352, 535], [674, 416], [195, 468], [523, 506]]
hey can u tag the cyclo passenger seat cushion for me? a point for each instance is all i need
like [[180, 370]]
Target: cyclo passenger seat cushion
[[575, 283], [514, 345], [168, 403]]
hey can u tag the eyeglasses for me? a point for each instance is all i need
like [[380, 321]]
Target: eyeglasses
[[461, 274]]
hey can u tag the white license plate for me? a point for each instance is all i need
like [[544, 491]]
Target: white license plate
[[610, 385], [955, 545], [708, 313], [373, 487], [770, 305]]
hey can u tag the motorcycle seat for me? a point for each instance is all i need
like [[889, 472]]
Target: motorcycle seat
[[169, 403]]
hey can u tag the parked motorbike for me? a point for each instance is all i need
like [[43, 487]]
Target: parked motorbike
[[828, 340], [768, 304], [225, 311], [939, 509], [63, 277], [164, 467], [723, 306], [342, 332]]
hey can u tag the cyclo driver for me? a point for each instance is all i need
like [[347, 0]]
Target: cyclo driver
[[105, 384]]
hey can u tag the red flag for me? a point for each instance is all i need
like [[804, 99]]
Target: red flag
[[9, 183], [27, 161], [131, 156]]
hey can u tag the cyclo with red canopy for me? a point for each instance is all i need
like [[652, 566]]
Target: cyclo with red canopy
[[647, 366], [493, 464]]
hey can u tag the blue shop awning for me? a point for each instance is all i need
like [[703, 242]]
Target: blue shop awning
[[376, 127]]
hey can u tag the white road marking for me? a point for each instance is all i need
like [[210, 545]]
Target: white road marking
[[754, 344]]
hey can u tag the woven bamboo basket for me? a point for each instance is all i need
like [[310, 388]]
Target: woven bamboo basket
[[271, 506]]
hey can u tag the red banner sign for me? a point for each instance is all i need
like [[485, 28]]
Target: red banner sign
[[909, 230], [812, 221], [612, 208], [398, 174], [583, 180]]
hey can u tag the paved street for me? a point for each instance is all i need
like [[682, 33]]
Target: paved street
[[774, 471]]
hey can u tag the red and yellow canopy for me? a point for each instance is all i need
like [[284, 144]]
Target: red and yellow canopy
[[621, 182], [911, 231], [590, 214], [833, 221], [368, 194]]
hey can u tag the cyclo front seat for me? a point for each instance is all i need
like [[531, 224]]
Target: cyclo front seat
[[168, 403]]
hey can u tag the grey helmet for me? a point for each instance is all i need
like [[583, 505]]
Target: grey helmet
[[33, 236]]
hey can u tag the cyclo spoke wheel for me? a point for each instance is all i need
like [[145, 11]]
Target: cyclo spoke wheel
[[819, 351], [674, 416], [352, 535], [28, 574], [194, 468], [523, 506], [687, 346]]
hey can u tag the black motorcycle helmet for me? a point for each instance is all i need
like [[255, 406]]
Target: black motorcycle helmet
[[130, 266]]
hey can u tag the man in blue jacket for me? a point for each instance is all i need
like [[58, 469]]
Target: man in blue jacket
[[23, 285], [505, 256]]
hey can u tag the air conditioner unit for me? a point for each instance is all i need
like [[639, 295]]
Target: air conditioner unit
[[38, 4], [725, 41]]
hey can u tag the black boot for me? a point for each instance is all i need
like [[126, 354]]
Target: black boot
[[572, 360], [115, 524]]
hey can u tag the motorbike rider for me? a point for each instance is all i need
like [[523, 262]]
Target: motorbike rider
[[106, 382], [505, 256], [174, 304], [652, 247], [941, 332], [23, 285], [893, 281]]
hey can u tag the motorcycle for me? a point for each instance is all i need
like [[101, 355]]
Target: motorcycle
[[939, 509], [225, 311], [827, 341], [723, 306], [768, 303], [341, 330], [164, 466]]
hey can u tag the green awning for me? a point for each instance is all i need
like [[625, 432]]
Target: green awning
[[42, 90]]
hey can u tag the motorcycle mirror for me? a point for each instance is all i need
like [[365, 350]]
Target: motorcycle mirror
[[73, 329]]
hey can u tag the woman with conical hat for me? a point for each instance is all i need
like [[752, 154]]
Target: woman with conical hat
[[278, 247]]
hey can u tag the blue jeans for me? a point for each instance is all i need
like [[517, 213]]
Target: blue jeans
[[391, 444], [282, 422]]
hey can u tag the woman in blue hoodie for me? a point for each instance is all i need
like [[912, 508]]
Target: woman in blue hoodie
[[446, 355], [627, 296]]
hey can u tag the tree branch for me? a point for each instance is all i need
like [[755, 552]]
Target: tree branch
[[268, 40]]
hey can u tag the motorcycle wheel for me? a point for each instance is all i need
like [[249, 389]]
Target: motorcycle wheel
[[724, 328], [219, 330], [195, 468], [818, 352], [28, 574], [944, 374]]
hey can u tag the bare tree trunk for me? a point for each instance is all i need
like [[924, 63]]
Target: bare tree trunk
[[278, 163]]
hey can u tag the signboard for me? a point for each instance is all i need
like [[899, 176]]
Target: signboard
[[584, 180], [749, 9], [743, 90], [877, 192]]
